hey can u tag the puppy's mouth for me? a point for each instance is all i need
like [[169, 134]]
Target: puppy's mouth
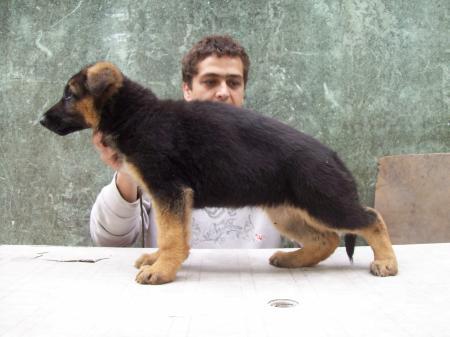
[[59, 129]]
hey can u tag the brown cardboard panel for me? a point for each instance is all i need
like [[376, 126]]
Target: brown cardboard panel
[[413, 195]]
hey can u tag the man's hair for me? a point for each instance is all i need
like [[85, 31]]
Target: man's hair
[[217, 45]]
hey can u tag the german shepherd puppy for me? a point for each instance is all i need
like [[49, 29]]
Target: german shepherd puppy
[[189, 155]]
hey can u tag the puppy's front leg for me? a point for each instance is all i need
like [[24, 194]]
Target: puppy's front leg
[[173, 220]]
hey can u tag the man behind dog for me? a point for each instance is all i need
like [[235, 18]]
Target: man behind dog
[[215, 69]]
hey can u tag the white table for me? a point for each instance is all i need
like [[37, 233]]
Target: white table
[[221, 293]]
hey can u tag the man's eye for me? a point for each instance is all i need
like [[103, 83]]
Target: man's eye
[[209, 83], [234, 84]]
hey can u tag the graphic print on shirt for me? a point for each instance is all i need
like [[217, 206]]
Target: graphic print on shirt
[[214, 212], [225, 228]]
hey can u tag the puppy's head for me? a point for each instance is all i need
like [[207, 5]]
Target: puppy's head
[[84, 96]]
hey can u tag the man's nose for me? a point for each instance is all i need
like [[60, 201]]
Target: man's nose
[[223, 92]]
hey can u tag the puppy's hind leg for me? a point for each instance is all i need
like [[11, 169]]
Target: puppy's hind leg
[[317, 245], [172, 218], [376, 235]]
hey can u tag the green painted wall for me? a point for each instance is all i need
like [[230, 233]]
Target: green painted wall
[[369, 78]]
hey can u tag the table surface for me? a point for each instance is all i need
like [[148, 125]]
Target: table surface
[[221, 293]]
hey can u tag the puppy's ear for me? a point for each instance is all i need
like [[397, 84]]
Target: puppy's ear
[[103, 79]]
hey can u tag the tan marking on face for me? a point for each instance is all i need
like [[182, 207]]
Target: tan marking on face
[[74, 88], [86, 107]]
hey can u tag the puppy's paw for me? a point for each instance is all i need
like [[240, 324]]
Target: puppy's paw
[[278, 259], [296, 259], [286, 260], [386, 267], [154, 275], [146, 260]]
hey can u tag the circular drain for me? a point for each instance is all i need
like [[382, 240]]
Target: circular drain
[[282, 303]]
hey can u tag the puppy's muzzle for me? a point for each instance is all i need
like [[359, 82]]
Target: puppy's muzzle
[[61, 123]]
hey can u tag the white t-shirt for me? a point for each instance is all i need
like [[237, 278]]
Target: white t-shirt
[[116, 222]]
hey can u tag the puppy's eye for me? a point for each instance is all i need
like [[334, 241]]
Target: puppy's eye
[[68, 96]]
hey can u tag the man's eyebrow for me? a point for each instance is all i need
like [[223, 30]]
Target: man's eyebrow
[[235, 75], [218, 75], [210, 75]]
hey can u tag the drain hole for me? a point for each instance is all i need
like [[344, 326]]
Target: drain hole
[[282, 303]]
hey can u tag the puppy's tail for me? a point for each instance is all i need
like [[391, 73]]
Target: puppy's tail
[[350, 241]]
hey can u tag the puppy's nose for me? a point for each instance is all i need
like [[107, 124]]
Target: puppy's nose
[[44, 121]]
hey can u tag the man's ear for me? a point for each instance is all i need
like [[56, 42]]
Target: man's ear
[[187, 92], [103, 79]]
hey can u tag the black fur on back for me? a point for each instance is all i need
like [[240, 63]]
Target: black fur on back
[[229, 156]]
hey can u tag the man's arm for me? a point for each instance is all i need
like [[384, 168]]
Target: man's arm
[[125, 184], [115, 216], [114, 221]]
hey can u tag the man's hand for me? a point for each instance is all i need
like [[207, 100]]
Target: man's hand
[[107, 154], [125, 184]]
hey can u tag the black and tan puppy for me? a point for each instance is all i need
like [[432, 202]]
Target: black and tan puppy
[[200, 154]]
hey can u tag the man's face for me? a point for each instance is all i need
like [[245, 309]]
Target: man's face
[[219, 79]]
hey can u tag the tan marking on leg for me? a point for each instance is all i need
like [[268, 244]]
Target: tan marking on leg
[[173, 235], [134, 172], [317, 244], [146, 259], [377, 236], [173, 241]]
